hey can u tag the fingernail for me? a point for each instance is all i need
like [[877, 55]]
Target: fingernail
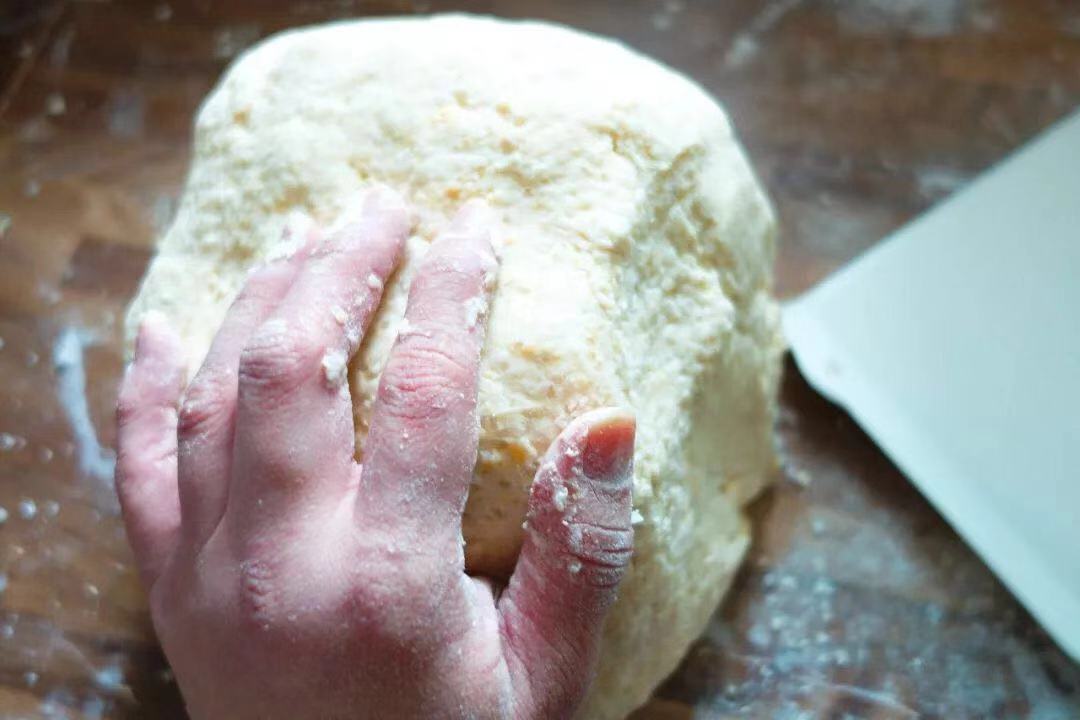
[[607, 452]]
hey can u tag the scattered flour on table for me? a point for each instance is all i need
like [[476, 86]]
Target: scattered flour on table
[[94, 460]]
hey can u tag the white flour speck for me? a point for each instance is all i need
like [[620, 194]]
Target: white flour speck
[[406, 328], [475, 309], [9, 442], [3, 515], [51, 508], [335, 368], [743, 49], [109, 678], [339, 314], [558, 499], [374, 282], [574, 566], [636, 517], [27, 509], [55, 104]]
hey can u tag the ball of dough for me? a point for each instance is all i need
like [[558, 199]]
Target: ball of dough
[[636, 269]]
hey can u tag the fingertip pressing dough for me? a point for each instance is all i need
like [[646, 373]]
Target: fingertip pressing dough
[[636, 252]]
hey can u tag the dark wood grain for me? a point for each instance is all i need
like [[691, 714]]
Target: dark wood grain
[[857, 599]]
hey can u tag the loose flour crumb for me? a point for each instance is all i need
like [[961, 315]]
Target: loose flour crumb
[[475, 309], [560, 497], [335, 367]]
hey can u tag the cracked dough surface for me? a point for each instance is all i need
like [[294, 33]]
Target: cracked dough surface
[[636, 269]]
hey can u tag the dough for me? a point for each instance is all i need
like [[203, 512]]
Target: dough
[[636, 270]]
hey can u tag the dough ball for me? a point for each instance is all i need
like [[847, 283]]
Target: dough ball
[[636, 270]]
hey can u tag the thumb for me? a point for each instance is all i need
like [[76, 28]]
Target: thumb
[[578, 541]]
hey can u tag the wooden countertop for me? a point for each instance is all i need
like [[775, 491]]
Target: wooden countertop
[[857, 599]]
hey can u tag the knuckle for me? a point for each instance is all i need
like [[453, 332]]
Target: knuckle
[[129, 468], [128, 405], [256, 592], [276, 362], [135, 465], [394, 586], [599, 555], [424, 379], [205, 404]]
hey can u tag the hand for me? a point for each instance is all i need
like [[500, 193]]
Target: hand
[[288, 581]]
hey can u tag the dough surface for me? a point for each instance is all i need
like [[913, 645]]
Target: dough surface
[[636, 270]]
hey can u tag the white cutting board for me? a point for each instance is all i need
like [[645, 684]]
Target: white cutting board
[[955, 344]]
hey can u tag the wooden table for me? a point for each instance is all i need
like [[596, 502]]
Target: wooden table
[[857, 599]]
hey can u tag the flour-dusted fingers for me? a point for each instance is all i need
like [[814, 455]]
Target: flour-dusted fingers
[[294, 430], [578, 542], [146, 445], [421, 448], [208, 409]]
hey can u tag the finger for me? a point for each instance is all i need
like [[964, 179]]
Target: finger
[[208, 412], [294, 439], [421, 448], [146, 445], [578, 542]]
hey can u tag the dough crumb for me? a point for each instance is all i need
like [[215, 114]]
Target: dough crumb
[[406, 328], [636, 517], [475, 309], [335, 369], [560, 497]]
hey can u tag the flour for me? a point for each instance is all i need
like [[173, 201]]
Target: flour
[[94, 460]]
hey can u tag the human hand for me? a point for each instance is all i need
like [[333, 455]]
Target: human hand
[[288, 581]]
